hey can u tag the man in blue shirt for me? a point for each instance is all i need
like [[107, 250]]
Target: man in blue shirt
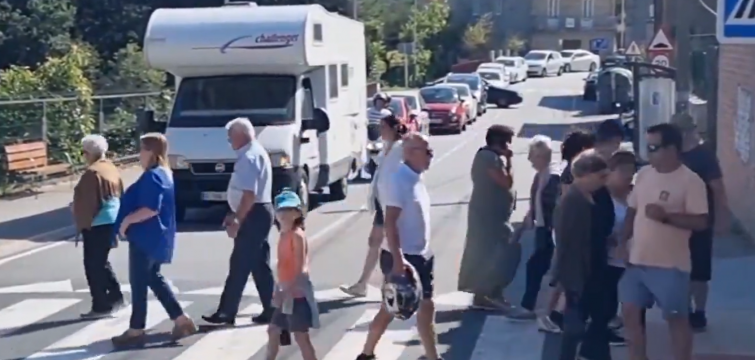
[[249, 223]]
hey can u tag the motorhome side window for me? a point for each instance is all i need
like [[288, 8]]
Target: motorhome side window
[[307, 104], [333, 81], [317, 31], [212, 101], [344, 75]]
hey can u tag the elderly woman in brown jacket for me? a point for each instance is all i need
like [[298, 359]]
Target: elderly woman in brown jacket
[[96, 200]]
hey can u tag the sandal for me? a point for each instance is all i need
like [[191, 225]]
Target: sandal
[[184, 328], [129, 338]]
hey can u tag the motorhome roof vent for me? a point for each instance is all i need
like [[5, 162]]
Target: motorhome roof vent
[[239, 3]]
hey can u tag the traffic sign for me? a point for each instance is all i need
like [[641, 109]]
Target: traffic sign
[[661, 42], [599, 44], [735, 22], [634, 49], [661, 60]]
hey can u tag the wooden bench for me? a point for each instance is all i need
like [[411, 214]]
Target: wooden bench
[[31, 159]]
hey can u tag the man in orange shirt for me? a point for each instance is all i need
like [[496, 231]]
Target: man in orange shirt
[[668, 202]]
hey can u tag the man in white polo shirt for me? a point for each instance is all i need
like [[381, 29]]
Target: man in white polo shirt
[[407, 231]]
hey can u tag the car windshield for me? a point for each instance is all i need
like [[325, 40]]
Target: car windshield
[[411, 101], [472, 81], [462, 90], [488, 75], [567, 54], [438, 95], [535, 56], [397, 107], [213, 101], [507, 62]]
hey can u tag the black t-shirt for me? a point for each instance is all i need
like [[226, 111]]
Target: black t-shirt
[[703, 162], [603, 218], [566, 177]]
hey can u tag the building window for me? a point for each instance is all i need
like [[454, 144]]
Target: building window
[[553, 8], [498, 7], [476, 7], [344, 75], [588, 6], [743, 125], [317, 31], [333, 81]]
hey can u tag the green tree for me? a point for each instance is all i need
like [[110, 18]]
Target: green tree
[[515, 44], [30, 31], [425, 22], [477, 37]]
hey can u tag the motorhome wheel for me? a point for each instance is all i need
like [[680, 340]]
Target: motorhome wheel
[[339, 190]]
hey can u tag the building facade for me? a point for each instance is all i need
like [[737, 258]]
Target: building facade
[[574, 24], [736, 131]]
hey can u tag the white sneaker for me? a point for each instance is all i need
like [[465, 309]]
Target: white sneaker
[[544, 323], [356, 290]]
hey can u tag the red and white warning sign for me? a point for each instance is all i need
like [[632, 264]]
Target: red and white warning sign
[[660, 49]]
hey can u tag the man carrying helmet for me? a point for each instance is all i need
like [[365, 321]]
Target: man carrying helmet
[[406, 260]]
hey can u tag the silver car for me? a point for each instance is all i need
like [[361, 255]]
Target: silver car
[[543, 63]]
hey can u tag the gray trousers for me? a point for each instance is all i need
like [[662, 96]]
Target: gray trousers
[[251, 255]]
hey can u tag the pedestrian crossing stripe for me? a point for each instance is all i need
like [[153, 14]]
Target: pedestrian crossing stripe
[[455, 298]]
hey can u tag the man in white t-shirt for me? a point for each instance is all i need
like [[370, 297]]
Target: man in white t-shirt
[[407, 231]]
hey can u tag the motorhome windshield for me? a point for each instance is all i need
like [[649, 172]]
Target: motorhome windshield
[[213, 101]]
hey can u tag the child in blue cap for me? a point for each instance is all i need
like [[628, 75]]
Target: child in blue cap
[[294, 301]]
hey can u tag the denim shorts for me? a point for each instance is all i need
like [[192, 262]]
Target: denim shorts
[[644, 286], [300, 320]]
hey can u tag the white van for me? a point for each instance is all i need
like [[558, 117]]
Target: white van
[[297, 72]]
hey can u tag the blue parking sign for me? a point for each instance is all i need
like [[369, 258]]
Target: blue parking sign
[[735, 23], [600, 43]]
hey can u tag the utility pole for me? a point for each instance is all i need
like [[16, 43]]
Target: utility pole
[[683, 54], [355, 9], [414, 41]]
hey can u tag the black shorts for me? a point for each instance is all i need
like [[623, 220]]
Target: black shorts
[[425, 269], [701, 253]]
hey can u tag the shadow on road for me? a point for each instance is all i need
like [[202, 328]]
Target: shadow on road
[[556, 131], [27, 227], [569, 103]]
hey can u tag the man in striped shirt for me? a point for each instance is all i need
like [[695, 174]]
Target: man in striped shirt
[[379, 108]]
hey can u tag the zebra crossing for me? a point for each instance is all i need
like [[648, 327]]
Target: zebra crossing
[[47, 326]]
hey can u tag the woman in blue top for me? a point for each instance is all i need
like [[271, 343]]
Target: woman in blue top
[[147, 220]]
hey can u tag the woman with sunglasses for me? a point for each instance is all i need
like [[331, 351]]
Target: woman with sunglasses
[[490, 259], [389, 160]]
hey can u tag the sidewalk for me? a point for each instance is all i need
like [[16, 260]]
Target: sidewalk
[[31, 221], [731, 309]]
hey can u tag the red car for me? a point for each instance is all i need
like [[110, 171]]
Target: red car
[[445, 107]]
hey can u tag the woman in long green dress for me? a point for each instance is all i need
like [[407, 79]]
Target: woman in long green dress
[[490, 259]]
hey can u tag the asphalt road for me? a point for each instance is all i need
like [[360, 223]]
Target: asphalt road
[[42, 293]]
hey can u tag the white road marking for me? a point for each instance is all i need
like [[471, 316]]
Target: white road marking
[[30, 311], [93, 342], [238, 343], [501, 338], [391, 346], [40, 287]]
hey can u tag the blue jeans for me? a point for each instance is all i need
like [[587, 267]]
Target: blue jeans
[[144, 273]]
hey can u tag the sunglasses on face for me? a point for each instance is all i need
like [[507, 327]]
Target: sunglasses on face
[[653, 148]]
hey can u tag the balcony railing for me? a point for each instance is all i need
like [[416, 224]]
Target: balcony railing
[[567, 23]]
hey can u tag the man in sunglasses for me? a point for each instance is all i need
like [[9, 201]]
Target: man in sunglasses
[[668, 203]]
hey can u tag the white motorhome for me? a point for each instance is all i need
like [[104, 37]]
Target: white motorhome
[[297, 72]]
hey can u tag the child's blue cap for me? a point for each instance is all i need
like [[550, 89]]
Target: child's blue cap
[[287, 199]]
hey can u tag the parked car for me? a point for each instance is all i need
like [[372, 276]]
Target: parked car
[[494, 76], [445, 108], [580, 60], [495, 67], [416, 115], [590, 92], [475, 83], [401, 109], [516, 66], [543, 63], [470, 102], [503, 97]]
